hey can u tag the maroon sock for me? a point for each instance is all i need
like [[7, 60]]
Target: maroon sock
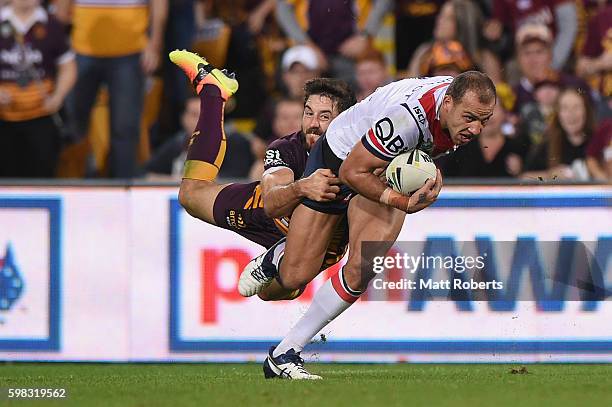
[[207, 144]]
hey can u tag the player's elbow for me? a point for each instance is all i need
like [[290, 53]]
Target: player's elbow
[[348, 175], [272, 211], [344, 175], [274, 206]]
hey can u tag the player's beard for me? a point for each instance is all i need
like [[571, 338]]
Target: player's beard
[[312, 135], [314, 130]]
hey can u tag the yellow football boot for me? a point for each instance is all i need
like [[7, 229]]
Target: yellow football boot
[[200, 73]]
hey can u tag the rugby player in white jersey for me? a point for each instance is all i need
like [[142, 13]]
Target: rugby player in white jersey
[[432, 114]]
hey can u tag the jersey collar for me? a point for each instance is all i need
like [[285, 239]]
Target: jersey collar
[[38, 16], [439, 97]]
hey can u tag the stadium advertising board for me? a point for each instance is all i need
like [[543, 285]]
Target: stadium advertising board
[[528, 325], [30, 284], [70, 247], [136, 278]]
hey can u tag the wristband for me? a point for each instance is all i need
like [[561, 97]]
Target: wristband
[[395, 199], [384, 197]]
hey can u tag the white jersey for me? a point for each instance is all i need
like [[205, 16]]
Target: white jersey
[[394, 119]]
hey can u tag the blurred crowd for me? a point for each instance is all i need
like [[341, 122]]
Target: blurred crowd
[[87, 90]]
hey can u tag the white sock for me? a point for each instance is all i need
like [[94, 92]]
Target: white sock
[[331, 300]]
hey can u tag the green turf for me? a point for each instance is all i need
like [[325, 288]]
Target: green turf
[[344, 385]]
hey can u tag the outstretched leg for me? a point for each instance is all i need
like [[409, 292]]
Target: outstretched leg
[[207, 144], [345, 287]]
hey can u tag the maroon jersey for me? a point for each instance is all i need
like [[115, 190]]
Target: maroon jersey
[[330, 22], [514, 13], [240, 207], [600, 146], [598, 42], [29, 56], [287, 152]]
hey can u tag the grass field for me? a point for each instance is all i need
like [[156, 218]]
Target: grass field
[[344, 385]]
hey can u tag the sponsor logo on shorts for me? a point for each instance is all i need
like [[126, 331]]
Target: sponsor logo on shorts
[[235, 220]]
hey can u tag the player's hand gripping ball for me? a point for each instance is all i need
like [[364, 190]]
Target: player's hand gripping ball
[[409, 171]]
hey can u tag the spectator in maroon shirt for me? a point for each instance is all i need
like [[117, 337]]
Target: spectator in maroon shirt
[[331, 29], [595, 63], [558, 15], [37, 70]]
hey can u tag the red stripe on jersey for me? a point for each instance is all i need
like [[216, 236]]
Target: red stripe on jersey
[[335, 280], [376, 143], [441, 138]]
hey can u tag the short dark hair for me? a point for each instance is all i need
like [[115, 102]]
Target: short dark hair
[[474, 81], [337, 90]]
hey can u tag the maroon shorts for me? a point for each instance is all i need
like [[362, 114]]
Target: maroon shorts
[[239, 208]]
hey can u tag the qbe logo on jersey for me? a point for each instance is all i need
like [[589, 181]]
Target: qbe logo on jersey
[[29, 274]]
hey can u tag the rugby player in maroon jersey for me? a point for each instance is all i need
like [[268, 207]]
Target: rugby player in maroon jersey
[[259, 211]]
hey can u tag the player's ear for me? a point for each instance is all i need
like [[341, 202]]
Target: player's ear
[[447, 102]]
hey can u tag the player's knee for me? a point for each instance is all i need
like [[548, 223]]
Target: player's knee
[[280, 296], [187, 194], [184, 195], [265, 296], [295, 282]]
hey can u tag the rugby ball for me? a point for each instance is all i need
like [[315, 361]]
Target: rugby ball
[[409, 171]]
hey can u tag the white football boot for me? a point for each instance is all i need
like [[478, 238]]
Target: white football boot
[[260, 271], [288, 365]]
